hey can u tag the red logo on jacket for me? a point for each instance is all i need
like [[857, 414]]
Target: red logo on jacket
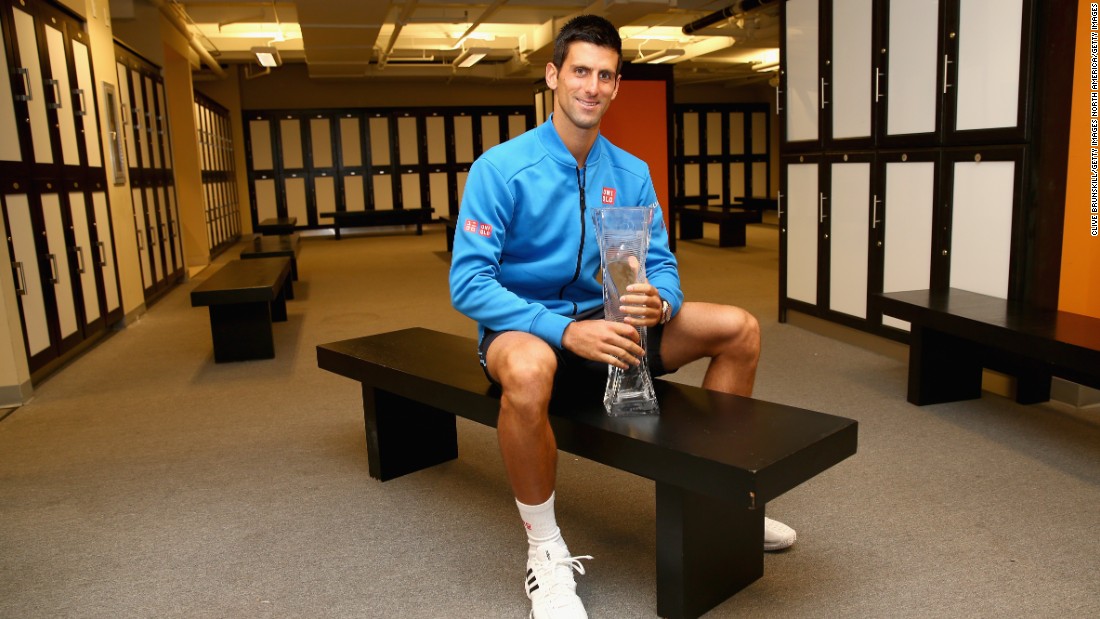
[[608, 196]]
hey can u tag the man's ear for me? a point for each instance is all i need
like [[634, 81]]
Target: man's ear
[[551, 76], [618, 80]]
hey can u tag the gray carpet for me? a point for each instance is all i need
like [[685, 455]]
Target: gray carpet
[[143, 480]]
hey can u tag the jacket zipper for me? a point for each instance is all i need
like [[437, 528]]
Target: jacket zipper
[[582, 178]]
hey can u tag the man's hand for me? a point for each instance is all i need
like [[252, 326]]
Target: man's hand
[[642, 305], [604, 341]]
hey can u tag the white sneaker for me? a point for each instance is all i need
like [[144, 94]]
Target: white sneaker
[[777, 535], [550, 583]]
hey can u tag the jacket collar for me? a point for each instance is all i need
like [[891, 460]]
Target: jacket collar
[[551, 141]]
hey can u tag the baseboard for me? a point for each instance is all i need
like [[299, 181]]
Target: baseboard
[[15, 395], [867, 341], [1073, 394]]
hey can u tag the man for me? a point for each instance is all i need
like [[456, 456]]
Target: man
[[525, 267]]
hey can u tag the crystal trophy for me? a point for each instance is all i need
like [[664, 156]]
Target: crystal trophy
[[623, 236]]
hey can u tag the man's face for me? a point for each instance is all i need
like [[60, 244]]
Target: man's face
[[585, 84]]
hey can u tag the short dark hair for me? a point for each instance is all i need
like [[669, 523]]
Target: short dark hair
[[588, 29]]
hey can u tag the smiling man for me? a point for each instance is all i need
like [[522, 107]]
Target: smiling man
[[525, 268]]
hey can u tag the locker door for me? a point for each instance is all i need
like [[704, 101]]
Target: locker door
[[29, 289], [802, 215], [10, 148], [84, 95], [490, 131], [152, 132], [105, 254], [127, 114], [174, 237], [851, 75], [759, 169], [464, 149], [156, 247], [56, 266], [84, 254], [382, 187], [323, 166], [30, 72], [58, 92], [984, 189], [140, 114], [142, 232], [439, 193], [803, 83], [350, 189], [905, 220], [517, 125], [910, 105], [849, 211], [408, 156]]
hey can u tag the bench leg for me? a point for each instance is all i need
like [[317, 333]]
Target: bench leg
[[405, 436], [707, 550], [731, 234], [241, 331], [942, 368], [336, 229], [278, 304], [690, 227]]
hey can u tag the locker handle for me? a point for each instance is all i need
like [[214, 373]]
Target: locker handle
[[26, 75], [55, 86], [878, 91], [874, 212], [79, 258], [22, 278], [141, 247], [823, 101], [778, 109], [945, 63], [83, 111], [54, 279], [102, 254], [779, 203], [821, 207]]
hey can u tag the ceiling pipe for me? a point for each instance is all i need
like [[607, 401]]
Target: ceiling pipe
[[402, 19], [737, 8], [486, 14], [173, 16]]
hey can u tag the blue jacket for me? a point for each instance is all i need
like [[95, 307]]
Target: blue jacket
[[525, 253]]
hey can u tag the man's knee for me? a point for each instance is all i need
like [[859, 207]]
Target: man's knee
[[524, 366]]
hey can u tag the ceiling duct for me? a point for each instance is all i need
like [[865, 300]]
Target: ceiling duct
[[737, 8], [339, 36]]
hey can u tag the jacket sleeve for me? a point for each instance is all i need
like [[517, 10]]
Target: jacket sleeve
[[480, 235]]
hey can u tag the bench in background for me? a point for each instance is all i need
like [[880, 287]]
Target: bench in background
[[717, 459], [956, 333], [244, 297], [283, 245], [277, 225], [731, 219], [388, 217]]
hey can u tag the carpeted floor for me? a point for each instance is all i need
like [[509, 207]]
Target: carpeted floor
[[143, 480]]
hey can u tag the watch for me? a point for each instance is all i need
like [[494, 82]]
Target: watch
[[666, 312]]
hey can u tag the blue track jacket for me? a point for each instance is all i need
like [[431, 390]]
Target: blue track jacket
[[525, 253]]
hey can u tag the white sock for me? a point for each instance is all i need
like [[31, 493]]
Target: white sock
[[540, 523]]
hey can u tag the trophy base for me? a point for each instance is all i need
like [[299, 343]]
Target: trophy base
[[629, 392]]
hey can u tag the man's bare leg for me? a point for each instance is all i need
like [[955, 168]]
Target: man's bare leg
[[729, 335]]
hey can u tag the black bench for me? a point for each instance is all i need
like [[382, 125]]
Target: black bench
[[731, 219], [449, 231], [956, 333], [244, 298], [277, 225], [283, 245], [717, 459], [387, 217]]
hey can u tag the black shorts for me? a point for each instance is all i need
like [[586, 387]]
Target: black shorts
[[576, 367]]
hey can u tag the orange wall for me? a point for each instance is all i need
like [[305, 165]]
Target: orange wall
[[637, 122], [1079, 287]]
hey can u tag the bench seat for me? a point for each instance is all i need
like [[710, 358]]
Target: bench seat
[[956, 333], [277, 225], [717, 459], [244, 297], [731, 222], [388, 217], [283, 245]]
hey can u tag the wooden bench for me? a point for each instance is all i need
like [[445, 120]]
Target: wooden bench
[[731, 219], [283, 245], [956, 333], [388, 217], [244, 298], [277, 225], [717, 459]]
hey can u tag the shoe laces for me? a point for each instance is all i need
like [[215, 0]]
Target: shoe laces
[[553, 573]]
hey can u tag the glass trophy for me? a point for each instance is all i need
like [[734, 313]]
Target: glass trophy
[[623, 236]]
